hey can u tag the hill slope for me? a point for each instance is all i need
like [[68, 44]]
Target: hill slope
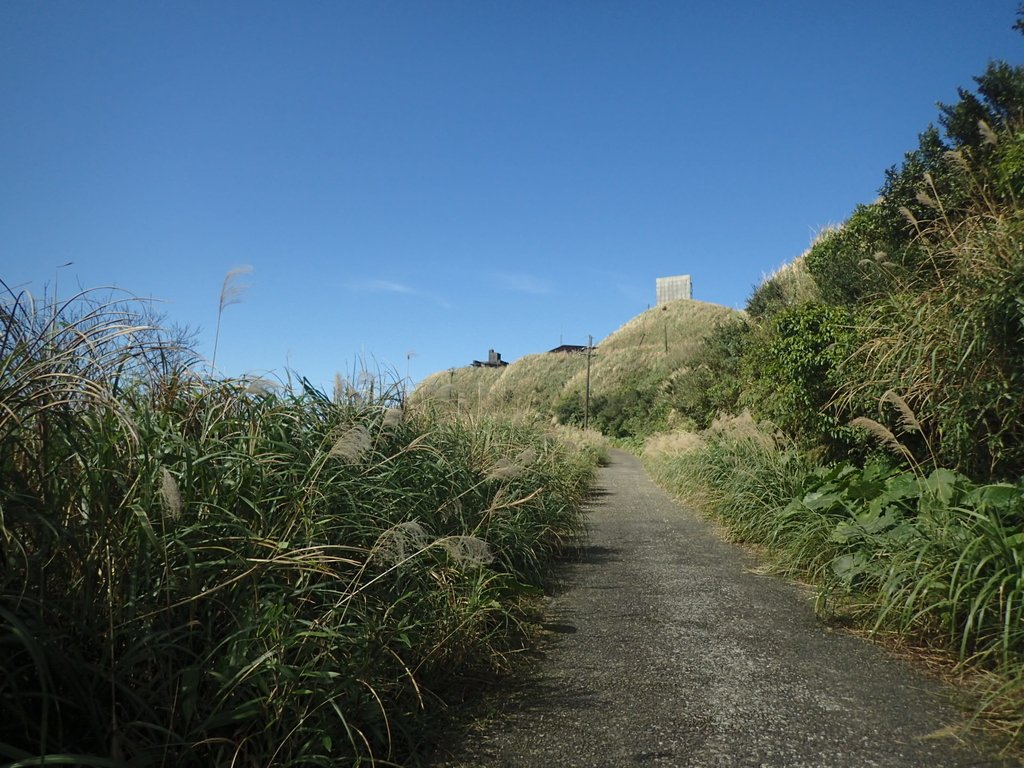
[[628, 372]]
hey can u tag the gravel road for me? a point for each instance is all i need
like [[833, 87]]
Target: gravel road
[[667, 648]]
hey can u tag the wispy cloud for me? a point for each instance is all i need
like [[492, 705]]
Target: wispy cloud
[[522, 283], [389, 286], [382, 286]]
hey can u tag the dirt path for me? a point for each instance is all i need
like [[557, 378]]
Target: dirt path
[[668, 650]]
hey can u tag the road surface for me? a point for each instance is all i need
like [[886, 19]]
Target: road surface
[[667, 648]]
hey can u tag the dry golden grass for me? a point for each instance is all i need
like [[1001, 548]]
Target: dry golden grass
[[742, 427], [795, 283], [535, 382], [653, 346], [673, 443], [464, 388]]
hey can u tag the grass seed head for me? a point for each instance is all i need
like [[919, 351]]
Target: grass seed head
[[880, 432], [352, 445], [503, 469], [232, 290], [526, 457], [908, 420], [170, 494], [467, 549], [987, 134], [925, 199], [393, 417], [401, 542]]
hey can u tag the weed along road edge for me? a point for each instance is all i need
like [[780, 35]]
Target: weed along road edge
[[667, 648]]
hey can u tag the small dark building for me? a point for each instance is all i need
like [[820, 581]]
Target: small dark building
[[493, 360], [567, 348]]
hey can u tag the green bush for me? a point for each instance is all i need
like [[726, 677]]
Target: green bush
[[1009, 166], [633, 411], [843, 260], [571, 409], [714, 385], [793, 366]]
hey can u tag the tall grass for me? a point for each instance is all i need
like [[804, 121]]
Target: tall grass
[[651, 346], [207, 572], [948, 334], [742, 476]]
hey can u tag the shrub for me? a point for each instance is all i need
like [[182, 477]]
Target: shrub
[[793, 367], [714, 384]]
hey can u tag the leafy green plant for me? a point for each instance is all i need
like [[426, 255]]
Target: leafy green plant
[[713, 385], [793, 367], [937, 555]]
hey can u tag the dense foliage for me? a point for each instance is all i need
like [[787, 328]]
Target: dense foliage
[[206, 572]]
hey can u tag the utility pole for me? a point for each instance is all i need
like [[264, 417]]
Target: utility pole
[[586, 402]]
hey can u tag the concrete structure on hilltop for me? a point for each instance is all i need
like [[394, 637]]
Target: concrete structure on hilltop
[[493, 360], [673, 288]]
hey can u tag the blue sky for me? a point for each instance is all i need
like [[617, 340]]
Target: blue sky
[[414, 183]]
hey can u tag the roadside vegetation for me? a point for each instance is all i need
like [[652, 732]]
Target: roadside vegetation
[[197, 571], [863, 422]]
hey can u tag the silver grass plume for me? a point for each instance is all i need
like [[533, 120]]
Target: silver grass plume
[[925, 199], [881, 433], [170, 494], [526, 457], [231, 292], [400, 542], [503, 469], [352, 445], [260, 387], [877, 258], [451, 509], [956, 157], [393, 417], [467, 549], [908, 420], [987, 134]]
